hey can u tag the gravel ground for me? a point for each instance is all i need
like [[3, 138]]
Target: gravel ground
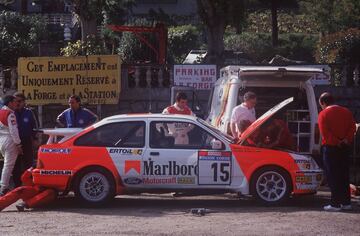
[[149, 214]]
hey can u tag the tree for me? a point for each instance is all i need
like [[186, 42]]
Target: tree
[[216, 15], [333, 15], [274, 6], [20, 34], [92, 13]]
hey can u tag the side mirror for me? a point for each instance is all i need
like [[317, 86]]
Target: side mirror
[[216, 144]]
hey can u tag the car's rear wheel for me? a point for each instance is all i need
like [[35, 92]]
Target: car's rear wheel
[[271, 185], [94, 186]]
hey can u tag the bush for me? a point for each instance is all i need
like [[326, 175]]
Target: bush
[[132, 49], [92, 46], [260, 22], [19, 36], [259, 48], [181, 40], [340, 47]]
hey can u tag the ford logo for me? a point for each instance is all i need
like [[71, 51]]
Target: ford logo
[[132, 180]]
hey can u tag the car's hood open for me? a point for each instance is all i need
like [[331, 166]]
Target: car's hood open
[[266, 116]]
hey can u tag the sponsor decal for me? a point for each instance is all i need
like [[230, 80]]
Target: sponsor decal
[[215, 153], [56, 150], [126, 151], [132, 180], [303, 164], [303, 179], [172, 168], [186, 180], [302, 186], [245, 149], [171, 180], [55, 172], [135, 165]]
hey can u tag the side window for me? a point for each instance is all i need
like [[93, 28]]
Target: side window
[[179, 135], [121, 134]]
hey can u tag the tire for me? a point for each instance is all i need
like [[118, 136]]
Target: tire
[[94, 186], [271, 185]]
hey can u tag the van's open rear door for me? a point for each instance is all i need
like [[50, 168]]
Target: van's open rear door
[[278, 73]]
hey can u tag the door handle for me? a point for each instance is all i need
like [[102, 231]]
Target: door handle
[[154, 153]]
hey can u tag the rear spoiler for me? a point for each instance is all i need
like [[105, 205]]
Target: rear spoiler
[[62, 133]]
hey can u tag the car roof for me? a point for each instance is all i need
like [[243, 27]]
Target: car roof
[[146, 116]]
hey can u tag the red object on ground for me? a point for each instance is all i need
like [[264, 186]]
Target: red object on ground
[[32, 195]]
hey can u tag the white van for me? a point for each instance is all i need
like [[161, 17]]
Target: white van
[[272, 84]]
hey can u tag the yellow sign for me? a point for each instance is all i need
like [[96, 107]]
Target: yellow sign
[[51, 80]]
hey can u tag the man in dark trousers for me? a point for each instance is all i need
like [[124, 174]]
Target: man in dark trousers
[[337, 128], [27, 123], [76, 116]]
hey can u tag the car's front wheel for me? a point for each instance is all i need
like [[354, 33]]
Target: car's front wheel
[[94, 186], [271, 185]]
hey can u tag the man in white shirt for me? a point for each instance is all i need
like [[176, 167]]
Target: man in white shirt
[[179, 130], [244, 111]]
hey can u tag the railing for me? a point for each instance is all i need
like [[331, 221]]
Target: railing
[[58, 18], [146, 76]]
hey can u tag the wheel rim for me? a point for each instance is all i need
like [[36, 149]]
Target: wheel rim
[[94, 187], [271, 186]]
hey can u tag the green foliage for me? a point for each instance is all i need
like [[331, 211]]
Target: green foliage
[[101, 12], [333, 15], [340, 47], [260, 22], [19, 36], [132, 49], [181, 40], [92, 46], [258, 46]]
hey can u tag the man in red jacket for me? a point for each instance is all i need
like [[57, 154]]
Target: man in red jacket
[[180, 107], [179, 130], [337, 128]]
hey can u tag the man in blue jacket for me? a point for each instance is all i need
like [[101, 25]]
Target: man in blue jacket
[[27, 123], [76, 116]]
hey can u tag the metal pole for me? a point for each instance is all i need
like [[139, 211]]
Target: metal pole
[[40, 113], [98, 110]]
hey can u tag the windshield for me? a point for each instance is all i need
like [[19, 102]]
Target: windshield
[[215, 130]]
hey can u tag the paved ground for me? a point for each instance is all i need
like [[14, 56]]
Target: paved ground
[[149, 214]]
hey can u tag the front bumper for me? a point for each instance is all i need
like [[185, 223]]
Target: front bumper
[[307, 181]]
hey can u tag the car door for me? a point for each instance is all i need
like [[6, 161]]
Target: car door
[[171, 160], [119, 145]]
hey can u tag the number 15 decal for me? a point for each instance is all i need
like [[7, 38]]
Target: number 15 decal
[[214, 168], [224, 171]]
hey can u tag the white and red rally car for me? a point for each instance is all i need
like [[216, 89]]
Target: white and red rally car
[[169, 153]]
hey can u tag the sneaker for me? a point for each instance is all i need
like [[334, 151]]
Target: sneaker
[[21, 206], [346, 207], [331, 208]]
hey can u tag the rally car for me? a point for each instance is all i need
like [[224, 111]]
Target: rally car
[[126, 154]]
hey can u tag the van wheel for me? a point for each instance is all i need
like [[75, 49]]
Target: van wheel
[[94, 186], [271, 185]]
